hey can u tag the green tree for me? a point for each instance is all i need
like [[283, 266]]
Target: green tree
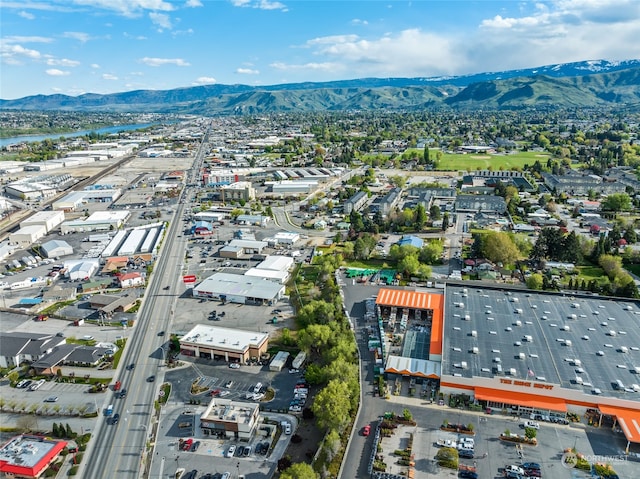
[[434, 213], [617, 202], [299, 470], [498, 247], [535, 281], [425, 156], [332, 406], [420, 217], [408, 265], [431, 252]]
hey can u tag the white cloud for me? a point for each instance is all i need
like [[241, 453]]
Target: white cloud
[[80, 36], [161, 19], [193, 3], [328, 67], [26, 39], [261, 4], [134, 37], [332, 39], [108, 76], [247, 71], [267, 5], [95, 65], [63, 62], [13, 54], [26, 15], [54, 72], [410, 52], [156, 62], [357, 21], [128, 8], [204, 81]]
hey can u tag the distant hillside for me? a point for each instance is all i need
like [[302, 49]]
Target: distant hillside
[[582, 84]]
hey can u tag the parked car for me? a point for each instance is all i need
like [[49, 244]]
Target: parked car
[[531, 424], [51, 399], [468, 474], [194, 447], [234, 365], [231, 450], [247, 451]]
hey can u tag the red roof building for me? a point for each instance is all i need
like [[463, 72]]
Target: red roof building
[[28, 456]]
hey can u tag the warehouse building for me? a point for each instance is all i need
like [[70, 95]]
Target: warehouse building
[[81, 270], [49, 219], [231, 345], [70, 202], [55, 249], [27, 236], [273, 268], [234, 288], [97, 221], [241, 248]]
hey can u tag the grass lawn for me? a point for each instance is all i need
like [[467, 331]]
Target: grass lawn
[[471, 162], [633, 268], [589, 273]]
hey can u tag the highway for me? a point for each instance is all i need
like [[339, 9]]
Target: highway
[[118, 450]]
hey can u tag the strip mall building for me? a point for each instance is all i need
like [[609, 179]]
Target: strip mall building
[[517, 351]]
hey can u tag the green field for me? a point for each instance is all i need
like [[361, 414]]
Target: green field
[[472, 162]]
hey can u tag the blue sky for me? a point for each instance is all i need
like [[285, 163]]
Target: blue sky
[[105, 46]]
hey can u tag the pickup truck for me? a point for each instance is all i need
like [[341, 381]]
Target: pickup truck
[[109, 411]]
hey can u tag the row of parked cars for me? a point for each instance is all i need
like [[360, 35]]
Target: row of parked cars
[[30, 385], [528, 469], [300, 393]]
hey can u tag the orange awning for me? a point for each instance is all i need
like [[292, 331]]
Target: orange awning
[[628, 419], [520, 399], [401, 298]]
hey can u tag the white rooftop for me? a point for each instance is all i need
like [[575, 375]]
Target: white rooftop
[[223, 338]]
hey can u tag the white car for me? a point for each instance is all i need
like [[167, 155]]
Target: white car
[[532, 424], [231, 451], [234, 366]]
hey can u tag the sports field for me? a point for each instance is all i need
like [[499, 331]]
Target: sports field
[[471, 162]]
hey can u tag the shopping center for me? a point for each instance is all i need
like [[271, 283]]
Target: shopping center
[[518, 351]]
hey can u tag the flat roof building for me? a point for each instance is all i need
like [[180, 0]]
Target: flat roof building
[[232, 345], [29, 456], [28, 235], [49, 219], [230, 419], [235, 288]]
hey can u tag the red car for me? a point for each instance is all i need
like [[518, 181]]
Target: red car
[[366, 430], [215, 392]]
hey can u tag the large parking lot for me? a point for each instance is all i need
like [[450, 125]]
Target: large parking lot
[[179, 421]]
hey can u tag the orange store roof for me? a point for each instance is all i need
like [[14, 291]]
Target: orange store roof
[[628, 419], [417, 300], [521, 399]]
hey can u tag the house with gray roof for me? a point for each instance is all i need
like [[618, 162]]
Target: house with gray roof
[[481, 203], [17, 348], [70, 355]]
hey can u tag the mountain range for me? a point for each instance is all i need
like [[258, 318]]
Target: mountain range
[[598, 83]]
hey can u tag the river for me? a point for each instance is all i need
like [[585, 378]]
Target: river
[[101, 131]]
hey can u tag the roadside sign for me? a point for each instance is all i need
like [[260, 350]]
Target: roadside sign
[[190, 278]]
